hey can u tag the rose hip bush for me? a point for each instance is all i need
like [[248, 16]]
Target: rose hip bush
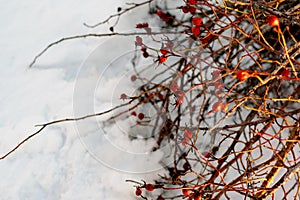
[[234, 75], [228, 70]]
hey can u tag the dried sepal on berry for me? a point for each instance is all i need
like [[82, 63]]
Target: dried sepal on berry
[[123, 96]]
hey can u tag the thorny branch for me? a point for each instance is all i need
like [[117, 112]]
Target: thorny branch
[[229, 73]]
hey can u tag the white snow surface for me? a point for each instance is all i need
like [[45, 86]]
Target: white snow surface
[[62, 162]]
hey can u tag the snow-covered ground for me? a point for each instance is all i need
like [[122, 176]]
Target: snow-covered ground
[[67, 160]]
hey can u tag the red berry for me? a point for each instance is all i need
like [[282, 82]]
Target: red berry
[[179, 101], [273, 20], [196, 30], [217, 106], [285, 73], [174, 87], [133, 113], [192, 2], [141, 116], [186, 192], [138, 192], [242, 74], [188, 133], [162, 59], [139, 26], [215, 74], [218, 85], [133, 78], [164, 51], [160, 13], [185, 9], [150, 187], [186, 166], [192, 10], [185, 142], [160, 198], [143, 25], [197, 21], [123, 96], [138, 41], [146, 54]]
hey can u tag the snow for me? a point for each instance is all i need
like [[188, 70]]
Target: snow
[[71, 160]]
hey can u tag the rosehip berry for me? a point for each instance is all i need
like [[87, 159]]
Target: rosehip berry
[[164, 51], [218, 85], [285, 73], [197, 21], [185, 142], [196, 30], [138, 192], [185, 9], [217, 106], [186, 166], [188, 133], [138, 41], [273, 20], [192, 10], [215, 74], [162, 59], [174, 87], [192, 2], [243, 75], [186, 192], [146, 54], [141, 116], [143, 25], [179, 101], [150, 187], [133, 113], [133, 78]]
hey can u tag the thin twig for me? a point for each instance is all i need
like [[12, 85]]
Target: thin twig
[[60, 121], [94, 35], [118, 15]]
